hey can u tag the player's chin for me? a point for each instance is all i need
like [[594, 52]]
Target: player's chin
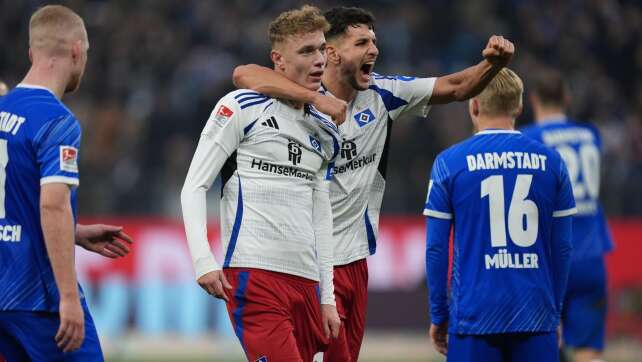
[[313, 83]]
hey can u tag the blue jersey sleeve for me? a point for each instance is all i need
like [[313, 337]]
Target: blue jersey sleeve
[[438, 199], [57, 145], [437, 237], [564, 202]]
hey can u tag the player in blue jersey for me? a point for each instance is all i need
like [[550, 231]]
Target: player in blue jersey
[[43, 313], [509, 199], [579, 144]]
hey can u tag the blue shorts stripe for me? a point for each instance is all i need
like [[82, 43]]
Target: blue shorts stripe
[[243, 278], [236, 228]]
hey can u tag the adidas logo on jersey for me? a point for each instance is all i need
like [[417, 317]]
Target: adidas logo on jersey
[[270, 122]]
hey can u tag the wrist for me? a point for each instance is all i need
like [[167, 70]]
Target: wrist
[[312, 97]]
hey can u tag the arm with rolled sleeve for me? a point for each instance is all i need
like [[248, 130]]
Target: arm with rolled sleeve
[[219, 139], [562, 236], [439, 216]]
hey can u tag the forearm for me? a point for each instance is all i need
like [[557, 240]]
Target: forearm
[[437, 237], [561, 257], [465, 84], [267, 81], [322, 216], [58, 230]]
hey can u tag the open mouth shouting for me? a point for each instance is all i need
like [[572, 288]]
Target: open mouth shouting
[[365, 70]]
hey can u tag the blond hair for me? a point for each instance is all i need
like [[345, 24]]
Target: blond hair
[[503, 95], [305, 20], [53, 28]]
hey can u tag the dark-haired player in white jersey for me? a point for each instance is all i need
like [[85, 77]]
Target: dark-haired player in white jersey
[[276, 222], [374, 102]]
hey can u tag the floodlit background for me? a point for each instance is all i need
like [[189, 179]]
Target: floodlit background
[[157, 67]]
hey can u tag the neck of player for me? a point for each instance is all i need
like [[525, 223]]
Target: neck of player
[[495, 122], [338, 85], [544, 114], [46, 73]]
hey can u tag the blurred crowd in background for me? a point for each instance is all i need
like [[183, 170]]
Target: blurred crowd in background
[[157, 67]]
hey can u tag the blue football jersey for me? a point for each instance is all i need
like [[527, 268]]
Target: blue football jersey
[[580, 146], [39, 144], [502, 191]]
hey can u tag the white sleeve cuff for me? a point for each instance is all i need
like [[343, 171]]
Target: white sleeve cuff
[[438, 214], [205, 265], [60, 179]]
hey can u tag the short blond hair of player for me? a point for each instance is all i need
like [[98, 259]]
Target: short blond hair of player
[[307, 19], [58, 40], [501, 97]]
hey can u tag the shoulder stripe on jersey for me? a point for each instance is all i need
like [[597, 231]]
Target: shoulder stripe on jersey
[[438, 214], [567, 212], [247, 94], [249, 98], [250, 104], [236, 228], [249, 127], [59, 179], [390, 101]]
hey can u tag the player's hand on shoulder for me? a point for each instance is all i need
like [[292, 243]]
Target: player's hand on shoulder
[[71, 332], [215, 283], [439, 337], [331, 320], [333, 107], [499, 50]]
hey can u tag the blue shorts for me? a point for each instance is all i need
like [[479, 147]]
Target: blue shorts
[[29, 336], [584, 313], [506, 347]]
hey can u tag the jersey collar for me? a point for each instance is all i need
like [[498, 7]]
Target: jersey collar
[[33, 86], [496, 131]]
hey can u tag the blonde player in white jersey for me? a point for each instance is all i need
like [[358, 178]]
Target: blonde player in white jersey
[[374, 102], [276, 222]]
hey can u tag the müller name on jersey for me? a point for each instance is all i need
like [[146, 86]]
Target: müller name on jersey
[[497, 160], [504, 260]]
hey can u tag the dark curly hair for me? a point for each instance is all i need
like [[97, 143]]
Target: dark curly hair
[[340, 18]]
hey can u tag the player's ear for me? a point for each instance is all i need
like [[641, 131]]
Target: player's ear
[[76, 51], [519, 110], [30, 56], [277, 59], [332, 53], [473, 107]]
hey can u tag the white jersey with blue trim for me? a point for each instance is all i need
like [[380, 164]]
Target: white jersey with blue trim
[[271, 158], [359, 173]]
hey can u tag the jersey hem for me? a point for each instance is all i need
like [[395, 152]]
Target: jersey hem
[[271, 267]]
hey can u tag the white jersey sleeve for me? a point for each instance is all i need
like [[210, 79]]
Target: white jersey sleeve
[[322, 216], [219, 139], [404, 95]]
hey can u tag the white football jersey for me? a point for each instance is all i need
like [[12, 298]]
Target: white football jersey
[[276, 156], [358, 183]]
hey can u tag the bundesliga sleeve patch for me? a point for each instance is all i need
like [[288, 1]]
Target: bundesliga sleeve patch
[[69, 159], [223, 114]]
